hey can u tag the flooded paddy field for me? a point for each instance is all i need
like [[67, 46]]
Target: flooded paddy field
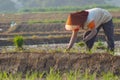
[[60, 47], [45, 44]]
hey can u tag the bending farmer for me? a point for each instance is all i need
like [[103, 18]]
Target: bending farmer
[[91, 20]]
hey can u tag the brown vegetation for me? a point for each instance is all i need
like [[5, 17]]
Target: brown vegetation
[[30, 62]]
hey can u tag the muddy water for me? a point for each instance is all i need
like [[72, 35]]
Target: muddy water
[[62, 47]]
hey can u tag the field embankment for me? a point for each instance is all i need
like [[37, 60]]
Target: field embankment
[[31, 62]]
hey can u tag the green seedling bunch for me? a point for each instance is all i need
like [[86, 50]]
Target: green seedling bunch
[[80, 44], [18, 42], [100, 45]]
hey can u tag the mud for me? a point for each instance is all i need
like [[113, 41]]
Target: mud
[[42, 62]]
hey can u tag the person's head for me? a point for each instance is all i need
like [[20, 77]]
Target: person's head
[[76, 20]]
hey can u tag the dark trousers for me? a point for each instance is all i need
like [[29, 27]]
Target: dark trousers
[[108, 28]]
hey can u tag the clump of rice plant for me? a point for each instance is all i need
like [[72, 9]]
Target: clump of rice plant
[[109, 76], [18, 42], [100, 45], [32, 76], [73, 75], [53, 75], [80, 44]]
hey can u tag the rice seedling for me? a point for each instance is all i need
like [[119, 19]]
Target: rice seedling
[[80, 44], [53, 75], [18, 42], [72, 75], [57, 75], [100, 45], [32, 76]]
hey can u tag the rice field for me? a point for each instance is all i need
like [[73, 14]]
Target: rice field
[[43, 56]]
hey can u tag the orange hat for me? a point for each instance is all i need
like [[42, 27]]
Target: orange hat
[[76, 19]]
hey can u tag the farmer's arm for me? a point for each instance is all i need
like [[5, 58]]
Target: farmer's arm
[[92, 34], [72, 40], [93, 30]]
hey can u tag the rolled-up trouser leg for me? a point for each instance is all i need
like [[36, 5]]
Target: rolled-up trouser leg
[[109, 32]]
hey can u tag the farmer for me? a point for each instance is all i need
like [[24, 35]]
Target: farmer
[[91, 20]]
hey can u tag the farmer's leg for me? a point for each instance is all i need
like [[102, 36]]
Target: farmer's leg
[[109, 32], [90, 42]]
